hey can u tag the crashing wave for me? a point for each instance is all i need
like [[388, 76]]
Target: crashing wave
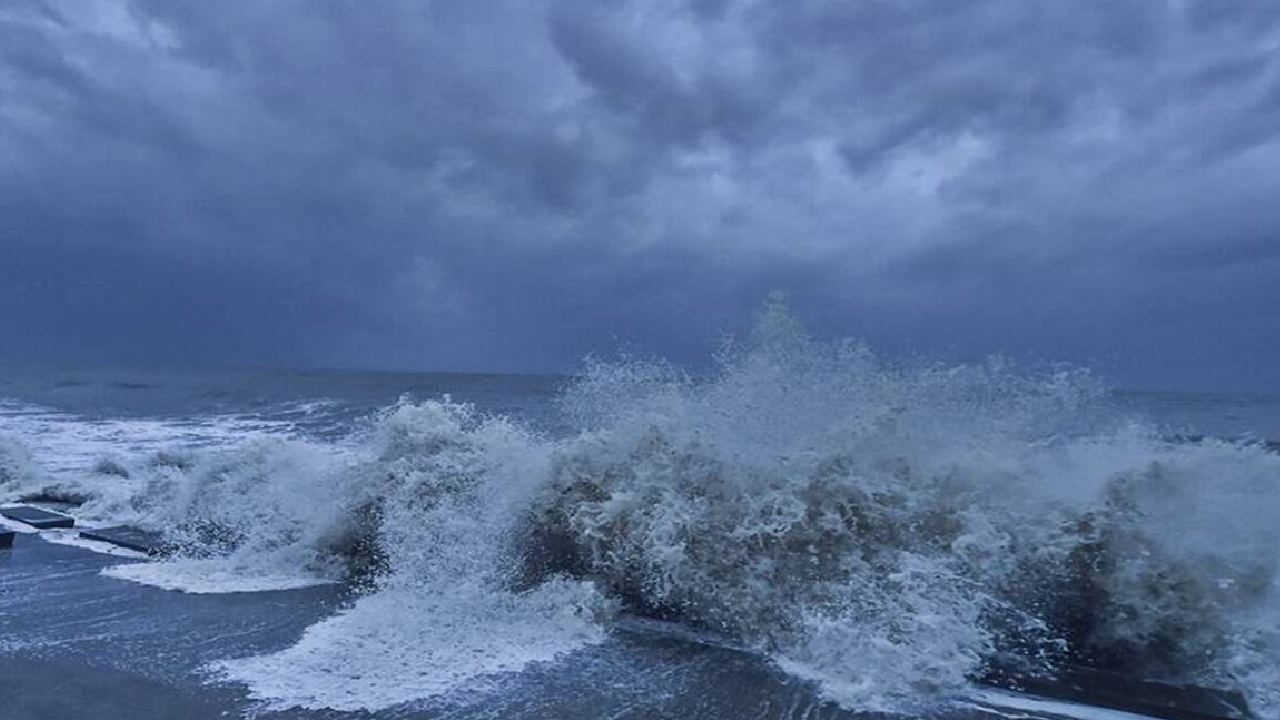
[[16, 467], [890, 532], [893, 532]]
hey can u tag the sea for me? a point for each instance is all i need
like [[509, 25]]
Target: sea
[[882, 532]]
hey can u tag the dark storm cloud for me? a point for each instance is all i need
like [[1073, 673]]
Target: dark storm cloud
[[510, 185]]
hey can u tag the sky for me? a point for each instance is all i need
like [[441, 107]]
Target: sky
[[511, 185]]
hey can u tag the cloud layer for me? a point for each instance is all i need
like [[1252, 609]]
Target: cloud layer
[[511, 184]]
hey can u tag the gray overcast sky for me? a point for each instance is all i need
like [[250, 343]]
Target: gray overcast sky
[[512, 184]]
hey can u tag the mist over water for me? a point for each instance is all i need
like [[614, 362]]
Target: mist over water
[[889, 531]]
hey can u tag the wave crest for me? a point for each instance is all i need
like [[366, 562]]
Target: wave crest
[[895, 531]]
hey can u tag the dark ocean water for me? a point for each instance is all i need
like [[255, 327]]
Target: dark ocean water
[[330, 401], [320, 400], [855, 527]]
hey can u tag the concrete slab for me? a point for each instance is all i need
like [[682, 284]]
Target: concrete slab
[[37, 518], [125, 536]]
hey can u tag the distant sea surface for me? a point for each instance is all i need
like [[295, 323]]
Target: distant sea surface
[[326, 403], [318, 400]]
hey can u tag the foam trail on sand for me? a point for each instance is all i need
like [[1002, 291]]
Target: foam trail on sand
[[399, 646], [213, 575], [988, 699]]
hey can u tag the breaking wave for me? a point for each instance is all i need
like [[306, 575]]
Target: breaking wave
[[890, 532]]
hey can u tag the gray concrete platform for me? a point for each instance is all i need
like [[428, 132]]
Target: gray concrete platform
[[128, 537], [37, 518]]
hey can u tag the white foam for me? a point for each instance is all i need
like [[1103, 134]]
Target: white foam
[[398, 646], [1000, 699], [209, 576], [65, 452]]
